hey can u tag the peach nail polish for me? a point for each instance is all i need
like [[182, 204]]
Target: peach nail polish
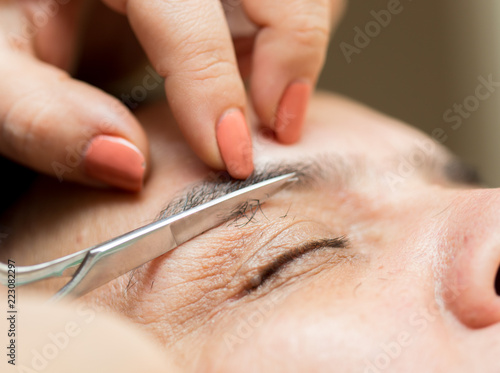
[[291, 112], [235, 144], [115, 161]]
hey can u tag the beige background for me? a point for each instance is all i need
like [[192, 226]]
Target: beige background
[[427, 58]]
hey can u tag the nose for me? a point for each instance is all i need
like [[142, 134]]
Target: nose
[[473, 247]]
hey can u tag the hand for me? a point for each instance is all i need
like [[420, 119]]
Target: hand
[[75, 131]]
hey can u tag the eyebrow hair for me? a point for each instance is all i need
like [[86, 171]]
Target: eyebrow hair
[[459, 171], [310, 172]]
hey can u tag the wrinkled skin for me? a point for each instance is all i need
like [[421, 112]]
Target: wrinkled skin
[[413, 291]]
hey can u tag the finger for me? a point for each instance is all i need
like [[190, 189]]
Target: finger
[[243, 33], [51, 29], [66, 128], [190, 44], [289, 53]]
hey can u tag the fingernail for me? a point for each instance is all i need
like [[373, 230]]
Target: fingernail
[[235, 144], [291, 112], [116, 162]]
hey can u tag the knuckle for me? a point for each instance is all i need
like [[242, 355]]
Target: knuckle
[[208, 64], [310, 21], [211, 70], [311, 31], [206, 59]]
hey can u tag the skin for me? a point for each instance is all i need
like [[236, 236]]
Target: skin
[[413, 292], [188, 43]]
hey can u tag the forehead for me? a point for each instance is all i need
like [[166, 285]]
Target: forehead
[[336, 124]]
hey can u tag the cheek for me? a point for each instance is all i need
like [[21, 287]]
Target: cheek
[[309, 332], [296, 340]]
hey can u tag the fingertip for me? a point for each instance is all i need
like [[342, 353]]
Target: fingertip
[[116, 162], [116, 153], [235, 144]]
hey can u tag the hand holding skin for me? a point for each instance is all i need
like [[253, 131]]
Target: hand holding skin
[[45, 114]]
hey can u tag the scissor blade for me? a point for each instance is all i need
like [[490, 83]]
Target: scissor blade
[[120, 255], [209, 215]]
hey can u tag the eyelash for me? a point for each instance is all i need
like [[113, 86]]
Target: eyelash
[[259, 280], [282, 261]]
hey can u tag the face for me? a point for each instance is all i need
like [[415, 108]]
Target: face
[[381, 258]]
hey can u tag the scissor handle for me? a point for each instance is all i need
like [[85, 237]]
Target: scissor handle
[[118, 256], [64, 266]]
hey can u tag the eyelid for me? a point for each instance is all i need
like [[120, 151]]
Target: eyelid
[[287, 258]]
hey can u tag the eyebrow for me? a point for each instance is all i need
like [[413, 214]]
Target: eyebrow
[[332, 169], [312, 172]]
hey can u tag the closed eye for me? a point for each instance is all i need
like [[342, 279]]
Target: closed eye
[[270, 270]]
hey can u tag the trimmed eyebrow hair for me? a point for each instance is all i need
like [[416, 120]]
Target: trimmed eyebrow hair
[[309, 173]]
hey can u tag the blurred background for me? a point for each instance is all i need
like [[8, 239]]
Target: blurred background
[[422, 62]]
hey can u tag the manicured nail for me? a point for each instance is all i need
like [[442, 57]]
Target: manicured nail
[[235, 144], [116, 162], [292, 111]]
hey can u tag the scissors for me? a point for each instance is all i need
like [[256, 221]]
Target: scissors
[[97, 265]]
